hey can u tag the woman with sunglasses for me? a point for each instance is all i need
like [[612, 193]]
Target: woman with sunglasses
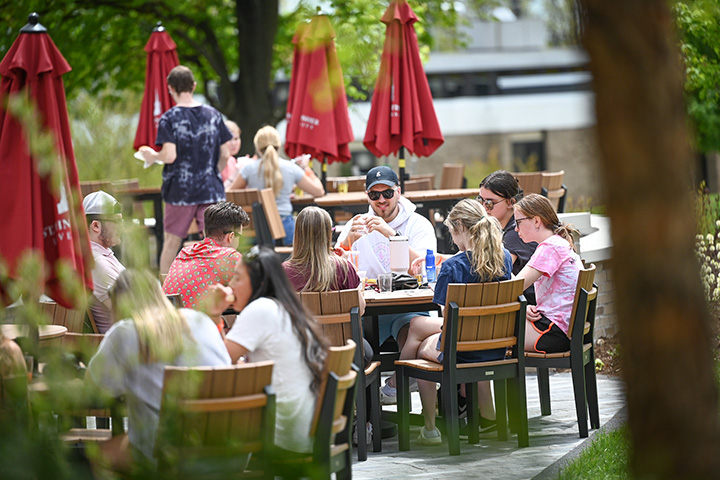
[[499, 192], [553, 269], [280, 175], [274, 325]]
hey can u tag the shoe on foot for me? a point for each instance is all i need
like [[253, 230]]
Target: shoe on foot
[[429, 438], [486, 425], [388, 394], [368, 435]]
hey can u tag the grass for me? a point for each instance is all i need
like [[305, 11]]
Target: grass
[[605, 458]]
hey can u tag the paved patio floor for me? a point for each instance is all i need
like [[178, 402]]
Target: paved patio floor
[[551, 438]]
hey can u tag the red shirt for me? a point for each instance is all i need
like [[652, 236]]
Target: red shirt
[[197, 267]]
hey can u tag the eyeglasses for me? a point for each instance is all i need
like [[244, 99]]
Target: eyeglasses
[[518, 220], [389, 193], [488, 203]]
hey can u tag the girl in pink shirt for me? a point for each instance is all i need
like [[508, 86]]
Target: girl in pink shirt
[[553, 269]]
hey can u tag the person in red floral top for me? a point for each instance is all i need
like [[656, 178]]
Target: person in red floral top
[[211, 261]]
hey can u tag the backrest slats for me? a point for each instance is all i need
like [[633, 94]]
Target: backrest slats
[[338, 361], [586, 277]]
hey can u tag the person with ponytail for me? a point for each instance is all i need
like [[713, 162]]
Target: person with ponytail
[[278, 174], [274, 325], [553, 269], [149, 335], [482, 258], [499, 192]]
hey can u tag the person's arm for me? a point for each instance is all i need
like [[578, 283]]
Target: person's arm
[[361, 299], [168, 153], [529, 276], [235, 350], [239, 182], [311, 184], [224, 155]]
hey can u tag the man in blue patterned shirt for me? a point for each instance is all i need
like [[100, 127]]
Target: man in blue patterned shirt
[[193, 138]]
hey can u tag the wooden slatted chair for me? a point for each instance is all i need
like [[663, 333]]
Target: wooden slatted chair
[[453, 176], [580, 359], [72, 319], [332, 422], [554, 189], [530, 182], [337, 312], [418, 184], [211, 418], [479, 316], [266, 221]]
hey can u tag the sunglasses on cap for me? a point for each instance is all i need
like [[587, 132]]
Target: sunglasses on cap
[[389, 193]]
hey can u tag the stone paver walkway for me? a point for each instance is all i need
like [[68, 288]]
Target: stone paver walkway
[[551, 438]]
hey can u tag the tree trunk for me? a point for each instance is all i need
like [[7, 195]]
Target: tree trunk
[[646, 162], [252, 91]]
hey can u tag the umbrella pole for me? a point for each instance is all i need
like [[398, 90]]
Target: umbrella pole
[[401, 164], [323, 174]]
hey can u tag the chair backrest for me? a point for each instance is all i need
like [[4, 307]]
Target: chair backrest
[[530, 182], [245, 198], [483, 316], [272, 216], [424, 176], [208, 410], [586, 277], [90, 186], [452, 175], [338, 314], [332, 310], [73, 320], [83, 345], [329, 407], [418, 184], [553, 189]]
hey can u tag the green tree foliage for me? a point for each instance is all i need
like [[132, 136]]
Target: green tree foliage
[[236, 48], [699, 26]]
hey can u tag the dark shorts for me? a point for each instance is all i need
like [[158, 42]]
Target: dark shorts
[[178, 218], [552, 339]]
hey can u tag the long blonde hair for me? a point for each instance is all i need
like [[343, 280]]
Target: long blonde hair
[[160, 327], [485, 238], [534, 205], [312, 250], [267, 145]]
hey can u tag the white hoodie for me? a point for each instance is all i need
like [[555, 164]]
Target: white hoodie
[[374, 247]]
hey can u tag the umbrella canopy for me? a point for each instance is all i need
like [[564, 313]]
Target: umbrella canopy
[[402, 112], [37, 216], [318, 122], [161, 58]]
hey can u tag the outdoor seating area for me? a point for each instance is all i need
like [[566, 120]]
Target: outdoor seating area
[[254, 317]]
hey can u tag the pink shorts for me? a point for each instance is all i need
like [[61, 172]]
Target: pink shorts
[[178, 218]]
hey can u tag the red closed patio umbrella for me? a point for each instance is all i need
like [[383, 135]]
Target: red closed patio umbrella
[[317, 116], [40, 216], [402, 113], [161, 58]]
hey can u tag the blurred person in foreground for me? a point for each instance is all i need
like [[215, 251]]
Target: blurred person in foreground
[[274, 325], [104, 216], [210, 261], [281, 175], [149, 334], [194, 140]]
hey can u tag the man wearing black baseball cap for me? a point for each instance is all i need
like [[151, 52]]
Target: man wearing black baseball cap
[[389, 214]]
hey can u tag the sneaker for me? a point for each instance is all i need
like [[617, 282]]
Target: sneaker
[[486, 426], [368, 435], [429, 438], [388, 394]]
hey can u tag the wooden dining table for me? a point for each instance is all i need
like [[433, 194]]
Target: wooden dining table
[[46, 333], [398, 301]]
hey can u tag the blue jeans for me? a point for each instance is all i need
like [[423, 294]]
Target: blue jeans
[[289, 226]]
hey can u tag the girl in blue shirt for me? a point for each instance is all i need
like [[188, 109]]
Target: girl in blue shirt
[[482, 258]]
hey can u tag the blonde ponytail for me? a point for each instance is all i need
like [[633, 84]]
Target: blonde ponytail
[[267, 144]]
